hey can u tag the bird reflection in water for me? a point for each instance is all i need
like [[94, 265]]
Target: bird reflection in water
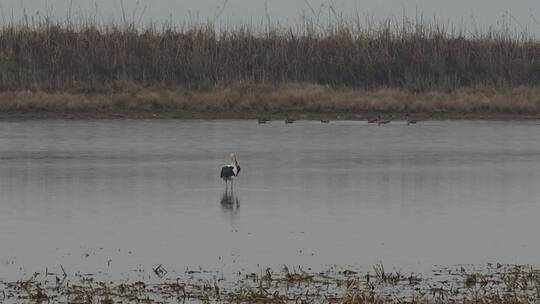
[[230, 202]]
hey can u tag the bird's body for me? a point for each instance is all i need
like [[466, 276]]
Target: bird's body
[[263, 120], [384, 121], [374, 119], [325, 121], [289, 120], [229, 172], [410, 121]]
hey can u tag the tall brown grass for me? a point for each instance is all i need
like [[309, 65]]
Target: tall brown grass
[[417, 56], [253, 100]]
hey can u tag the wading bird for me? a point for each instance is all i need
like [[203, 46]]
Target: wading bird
[[229, 172]]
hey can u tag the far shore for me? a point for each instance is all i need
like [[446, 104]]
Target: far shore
[[272, 118], [275, 102]]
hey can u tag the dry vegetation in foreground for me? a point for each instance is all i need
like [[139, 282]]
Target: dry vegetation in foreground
[[494, 284], [256, 100]]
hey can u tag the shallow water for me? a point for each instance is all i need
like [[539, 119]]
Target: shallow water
[[119, 197]]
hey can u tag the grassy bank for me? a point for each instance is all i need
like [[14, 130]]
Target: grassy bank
[[274, 101]]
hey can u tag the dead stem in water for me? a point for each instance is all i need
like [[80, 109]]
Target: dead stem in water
[[489, 285]]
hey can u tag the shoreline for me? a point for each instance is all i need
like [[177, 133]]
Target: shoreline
[[494, 283], [272, 118]]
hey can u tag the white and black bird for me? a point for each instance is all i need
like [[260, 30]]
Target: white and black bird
[[229, 172]]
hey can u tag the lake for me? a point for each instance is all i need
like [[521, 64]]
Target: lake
[[118, 197]]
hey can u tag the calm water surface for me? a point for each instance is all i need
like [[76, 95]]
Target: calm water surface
[[121, 196]]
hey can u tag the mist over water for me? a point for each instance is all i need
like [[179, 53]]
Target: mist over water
[[112, 197]]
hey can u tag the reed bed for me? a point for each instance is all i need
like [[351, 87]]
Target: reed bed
[[41, 54]]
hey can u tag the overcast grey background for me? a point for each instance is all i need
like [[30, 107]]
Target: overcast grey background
[[520, 14]]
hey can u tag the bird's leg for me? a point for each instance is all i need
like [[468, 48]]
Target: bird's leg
[[232, 183]]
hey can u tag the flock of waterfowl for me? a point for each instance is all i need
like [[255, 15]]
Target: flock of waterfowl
[[229, 172], [375, 120]]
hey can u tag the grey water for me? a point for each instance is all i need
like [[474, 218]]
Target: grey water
[[118, 197]]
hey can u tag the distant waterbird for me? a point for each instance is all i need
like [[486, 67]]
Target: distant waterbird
[[374, 119], [411, 121], [384, 121], [325, 121], [229, 172], [289, 120], [263, 120]]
